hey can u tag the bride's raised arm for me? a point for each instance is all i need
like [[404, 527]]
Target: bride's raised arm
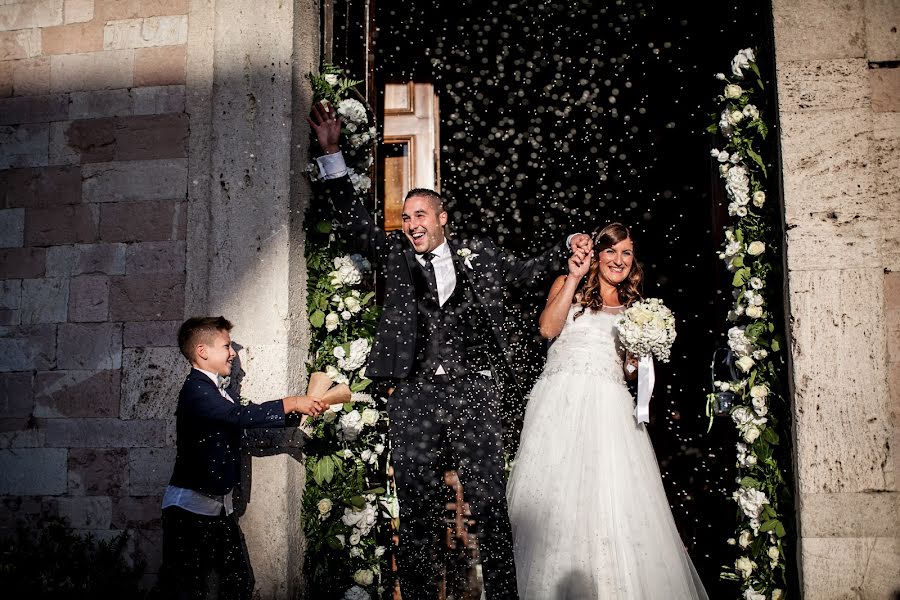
[[559, 300]]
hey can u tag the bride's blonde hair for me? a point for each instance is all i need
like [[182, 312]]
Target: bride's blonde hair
[[628, 289]]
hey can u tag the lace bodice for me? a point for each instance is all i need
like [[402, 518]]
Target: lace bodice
[[587, 345]]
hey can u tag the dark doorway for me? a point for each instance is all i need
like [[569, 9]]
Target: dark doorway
[[557, 117]]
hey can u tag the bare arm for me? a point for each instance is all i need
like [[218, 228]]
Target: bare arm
[[559, 300], [304, 404]]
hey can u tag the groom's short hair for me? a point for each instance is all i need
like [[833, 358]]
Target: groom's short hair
[[432, 195]]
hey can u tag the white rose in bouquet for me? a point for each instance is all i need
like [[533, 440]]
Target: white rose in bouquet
[[324, 505], [745, 363], [331, 321], [751, 594], [745, 538], [647, 327], [733, 91], [745, 566], [349, 426], [755, 312], [331, 79], [369, 416], [352, 304], [364, 577], [345, 272], [756, 248], [759, 198], [352, 111]]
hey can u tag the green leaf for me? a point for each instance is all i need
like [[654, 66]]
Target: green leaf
[[714, 128], [779, 530], [377, 491], [317, 319], [750, 482], [757, 159], [360, 385], [737, 261], [740, 277], [333, 542], [358, 502], [769, 525], [769, 435], [776, 344], [326, 464]]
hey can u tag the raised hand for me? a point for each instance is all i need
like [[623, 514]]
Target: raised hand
[[579, 263], [582, 241], [326, 123]]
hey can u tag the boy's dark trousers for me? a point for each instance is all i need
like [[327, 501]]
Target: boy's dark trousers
[[201, 554]]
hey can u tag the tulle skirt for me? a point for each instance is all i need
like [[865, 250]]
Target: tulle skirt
[[587, 506]]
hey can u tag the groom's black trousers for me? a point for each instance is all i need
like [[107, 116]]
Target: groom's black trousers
[[443, 423]]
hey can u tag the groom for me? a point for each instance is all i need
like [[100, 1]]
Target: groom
[[438, 336]]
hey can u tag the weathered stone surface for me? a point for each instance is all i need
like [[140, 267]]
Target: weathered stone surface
[[86, 512], [139, 221], [73, 39], [92, 71], [65, 224], [849, 515], [155, 257], [24, 145], [16, 395], [109, 10], [76, 394], [31, 188], [157, 100], [160, 66], [27, 347], [882, 24], [146, 297], [844, 568], [30, 510], [24, 43], [818, 29], [17, 433], [33, 471], [823, 84], [60, 151], [150, 334], [44, 300], [10, 293], [842, 421], [108, 259], [12, 228], [9, 316], [90, 346], [152, 378], [137, 512], [145, 33], [31, 76], [22, 262], [885, 89], [78, 11], [6, 79], [149, 470], [129, 138], [135, 180], [25, 15], [89, 299], [100, 103], [104, 433], [887, 178], [40, 109], [98, 471]]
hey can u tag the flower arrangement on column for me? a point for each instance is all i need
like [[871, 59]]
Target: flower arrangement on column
[[752, 254], [347, 503]]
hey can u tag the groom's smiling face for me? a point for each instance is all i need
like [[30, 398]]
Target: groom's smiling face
[[423, 223]]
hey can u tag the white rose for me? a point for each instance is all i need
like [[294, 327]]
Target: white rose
[[380, 550], [751, 460], [733, 91], [759, 198], [346, 315], [356, 552], [745, 363], [336, 376], [379, 448], [745, 538], [366, 455], [355, 538], [352, 304], [777, 594], [756, 248], [751, 111], [364, 577], [723, 169], [741, 211], [756, 283], [331, 79], [745, 566], [348, 453], [720, 76], [369, 416], [751, 594], [331, 321], [339, 352], [730, 541], [759, 391], [760, 354], [751, 434], [773, 553], [754, 312], [324, 506], [350, 425], [735, 117]]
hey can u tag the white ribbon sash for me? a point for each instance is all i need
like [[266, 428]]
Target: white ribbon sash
[[646, 379]]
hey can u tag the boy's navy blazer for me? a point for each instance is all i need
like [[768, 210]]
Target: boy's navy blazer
[[208, 435]]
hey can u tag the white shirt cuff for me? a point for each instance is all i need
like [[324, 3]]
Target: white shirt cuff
[[332, 166], [569, 240]]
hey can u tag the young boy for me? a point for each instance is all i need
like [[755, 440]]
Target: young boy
[[200, 534]]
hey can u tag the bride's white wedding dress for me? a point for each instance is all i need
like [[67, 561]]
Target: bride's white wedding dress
[[589, 514]]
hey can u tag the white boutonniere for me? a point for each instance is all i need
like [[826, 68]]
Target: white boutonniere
[[467, 256]]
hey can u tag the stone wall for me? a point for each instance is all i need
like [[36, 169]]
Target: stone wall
[[839, 96], [145, 175]]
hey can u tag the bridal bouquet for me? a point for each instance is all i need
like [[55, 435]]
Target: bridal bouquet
[[647, 327]]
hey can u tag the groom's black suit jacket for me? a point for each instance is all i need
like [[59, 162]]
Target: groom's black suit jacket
[[394, 352]]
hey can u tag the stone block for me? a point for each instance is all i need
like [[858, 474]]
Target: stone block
[[155, 257], [26, 15], [66, 224], [27, 347], [16, 395], [24, 145], [60, 151], [149, 470], [140, 221], [92, 71], [843, 568], [89, 346], [147, 297], [165, 65], [20, 435], [885, 89], [892, 327], [86, 512], [6, 79], [151, 381], [40, 109], [141, 512], [887, 178], [135, 180], [10, 293], [31, 76], [100, 103], [882, 23], [25, 43], [141, 137], [157, 100], [103, 433], [109, 10], [33, 471], [72, 39], [849, 515], [89, 299], [45, 300], [22, 262], [819, 29], [842, 421], [150, 334], [145, 33], [105, 259], [836, 84], [9, 316], [60, 394], [98, 471], [30, 511], [150, 8], [50, 186], [78, 11], [12, 227]]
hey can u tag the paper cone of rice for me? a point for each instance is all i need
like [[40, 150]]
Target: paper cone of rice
[[339, 394]]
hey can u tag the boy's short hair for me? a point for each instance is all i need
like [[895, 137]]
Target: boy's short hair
[[200, 330]]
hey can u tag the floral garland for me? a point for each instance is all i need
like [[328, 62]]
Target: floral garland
[[347, 506], [750, 252]]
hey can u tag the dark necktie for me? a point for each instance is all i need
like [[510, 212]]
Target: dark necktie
[[429, 274]]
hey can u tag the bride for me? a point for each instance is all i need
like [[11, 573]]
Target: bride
[[588, 510]]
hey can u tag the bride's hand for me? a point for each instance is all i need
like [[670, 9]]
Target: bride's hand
[[630, 366], [579, 263]]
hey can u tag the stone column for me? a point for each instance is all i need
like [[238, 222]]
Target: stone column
[[840, 202], [247, 98]]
